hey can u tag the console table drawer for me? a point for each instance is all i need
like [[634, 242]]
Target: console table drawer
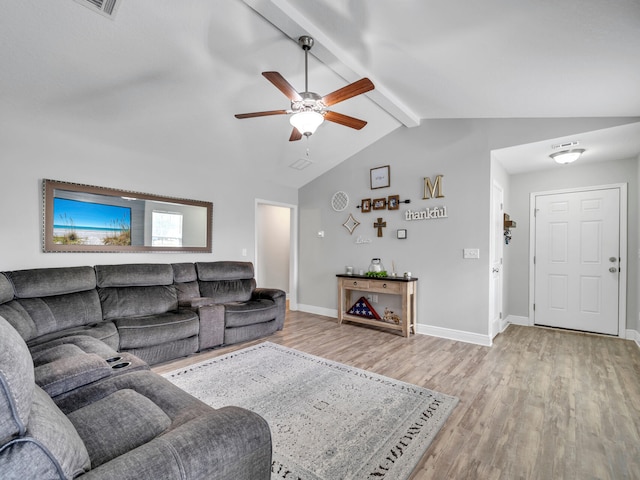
[[356, 284], [390, 287]]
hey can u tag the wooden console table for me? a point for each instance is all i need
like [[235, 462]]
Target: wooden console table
[[404, 287]]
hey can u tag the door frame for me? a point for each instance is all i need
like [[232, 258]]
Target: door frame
[[622, 287], [293, 246], [496, 236]]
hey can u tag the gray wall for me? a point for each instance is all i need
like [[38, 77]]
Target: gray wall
[[569, 176], [29, 153], [452, 292]]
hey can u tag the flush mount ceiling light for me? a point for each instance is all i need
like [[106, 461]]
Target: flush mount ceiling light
[[567, 156]]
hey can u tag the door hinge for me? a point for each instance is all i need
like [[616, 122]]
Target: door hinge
[[534, 259], [500, 316], [534, 307]]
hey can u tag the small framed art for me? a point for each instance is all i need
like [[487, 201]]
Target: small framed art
[[379, 203], [380, 177], [402, 234], [393, 202], [365, 205]]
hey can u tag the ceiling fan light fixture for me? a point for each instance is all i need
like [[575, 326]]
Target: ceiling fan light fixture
[[567, 156], [306, 122]]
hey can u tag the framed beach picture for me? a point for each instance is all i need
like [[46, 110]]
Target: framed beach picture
[[380, 177], [365, 206]]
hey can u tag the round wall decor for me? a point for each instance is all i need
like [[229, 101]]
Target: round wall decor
[[339, 201]]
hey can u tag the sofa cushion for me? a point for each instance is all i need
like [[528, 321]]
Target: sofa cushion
[[67, 373], [148, 330], [14, 313], [46, 282], [249, 313], [16, 383], [226, 291], [55, 352], [134, 274], [68, 346], [6, 289], [184, 272], [137, 301], [50, 448], [214, 271], [117, 424], [60, 312], [94, 338]]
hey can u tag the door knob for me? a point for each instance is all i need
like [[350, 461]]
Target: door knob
[[495, 270], [613, 269], [613, 259]]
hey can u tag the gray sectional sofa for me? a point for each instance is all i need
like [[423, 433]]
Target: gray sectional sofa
[[77, 398]]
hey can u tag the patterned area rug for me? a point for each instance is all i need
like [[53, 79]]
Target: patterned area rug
[[328, 421]]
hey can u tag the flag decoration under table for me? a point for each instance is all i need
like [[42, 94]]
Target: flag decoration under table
[[362, 308]]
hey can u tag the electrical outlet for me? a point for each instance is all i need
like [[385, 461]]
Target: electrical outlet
[[473, 253]]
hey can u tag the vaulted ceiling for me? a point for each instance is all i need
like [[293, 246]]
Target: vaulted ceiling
[[165, 77]]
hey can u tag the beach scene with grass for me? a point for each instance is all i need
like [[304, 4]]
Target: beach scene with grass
[[86, 223]]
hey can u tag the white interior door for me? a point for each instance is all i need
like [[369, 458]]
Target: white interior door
[[495, 261], [577, 260]]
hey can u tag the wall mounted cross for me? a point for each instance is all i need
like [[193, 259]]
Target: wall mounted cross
[[379, 225]]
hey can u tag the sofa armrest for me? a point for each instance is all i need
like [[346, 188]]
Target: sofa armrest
[[278, 296], [194, 303], [229, 443]]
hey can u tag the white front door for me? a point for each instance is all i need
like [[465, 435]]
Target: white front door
[[577, 260], [495, 260]]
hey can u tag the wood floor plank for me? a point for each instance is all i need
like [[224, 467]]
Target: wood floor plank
[[539, 404]]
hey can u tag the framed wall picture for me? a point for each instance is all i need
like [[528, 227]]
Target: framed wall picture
[[402, 234], [380, 177], [379, 203], [393, 202], [365, 205]]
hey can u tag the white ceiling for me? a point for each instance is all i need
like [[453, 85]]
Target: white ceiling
[[165, 77]]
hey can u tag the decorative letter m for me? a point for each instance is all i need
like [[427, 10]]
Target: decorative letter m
[[433, 190]]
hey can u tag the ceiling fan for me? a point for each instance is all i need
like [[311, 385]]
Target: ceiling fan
[[308, 109]]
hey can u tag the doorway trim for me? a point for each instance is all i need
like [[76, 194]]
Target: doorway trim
[[496, 236], [293, 246], [622, 288]]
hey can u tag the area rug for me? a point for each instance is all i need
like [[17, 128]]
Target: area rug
[[328, 421]]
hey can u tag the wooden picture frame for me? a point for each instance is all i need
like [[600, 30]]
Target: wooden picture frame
[[379, 203], [365, 205], [393, 202], [380, 177]]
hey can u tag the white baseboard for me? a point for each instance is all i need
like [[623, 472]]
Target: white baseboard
[[459, 335], [634, 335], [440, 332], [325, 312], [518, 320]]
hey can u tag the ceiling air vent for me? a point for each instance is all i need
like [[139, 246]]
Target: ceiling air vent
[[104, 7]]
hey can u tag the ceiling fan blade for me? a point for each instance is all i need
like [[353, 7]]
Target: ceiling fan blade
[[261, 114], [345, 120], [356, 88], [282, 85], [295, 135]]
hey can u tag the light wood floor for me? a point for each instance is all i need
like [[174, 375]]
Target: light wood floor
[[540, 404]]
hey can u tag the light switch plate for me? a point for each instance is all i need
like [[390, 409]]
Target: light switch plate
[[471, 253]]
